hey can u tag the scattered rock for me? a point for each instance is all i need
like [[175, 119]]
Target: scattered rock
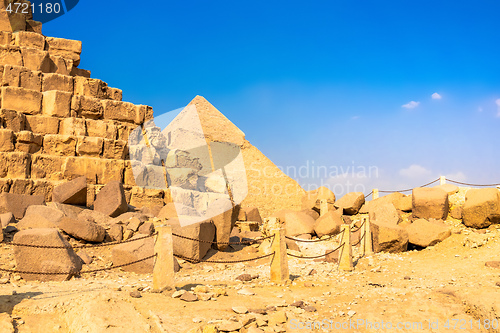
[[481, 208], [230, 326], [351, 313], [189, 297], [292, 245], [312, 199], [253, 214], [34, 221], [111, 200], [51, 214], [85, 229], [329, 223], [448, 188], [276, 318], [73, 192], [200, 289], [384, 212], [351, 202], [132, 251], [196, 250], [297, 223], [240, 309], [6, 219], [147, 228], [424, 233], [224, 219], [456, 213], [245, 292], [135, 294], [493, 264], [18, 203], [309, 308], [244, 277], [331, 257], [389, 238], [298, 304], [86, 259], [178, 293], [115, 232], [430, 203]]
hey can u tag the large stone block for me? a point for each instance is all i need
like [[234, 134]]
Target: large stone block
[[73, 126], [111, 200], [42, 124], [312, 199], [101, 129], [43, 188], [146, 197], [21, 186], [47, 167], [43, 259], [56, 103], [53, 81], [5, 37], [87, 107], [29, 39], [298, 223], [329, 223], [36, 60], [90, 87], [481, 208], [15, 165], [10, 55], [73, 192], [389, 238], [384, 212], [351, 202], [121, 111], [89, 167], [18, 203], [18, 76], [59, 145], [430, 203], [51, 214], [70, 45], [34, 26], [28, 142], [12, 21], [13, 120], [80, 72], [110, 170], [83, 228], [114, 93], [204, 231], [89, 146], [22, 100], [60, 65], [224, 219], [6, 140], [425, 233], [133, 251]]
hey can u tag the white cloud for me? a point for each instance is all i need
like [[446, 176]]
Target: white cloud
[[436, 96], [498, 106], [414, 171], [411, 105]]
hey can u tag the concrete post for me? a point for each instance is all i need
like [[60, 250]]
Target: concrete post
[[367, 240], [345, 256], [163, 270], [323, 207], [279, 262], [375, 194], [442, 180]]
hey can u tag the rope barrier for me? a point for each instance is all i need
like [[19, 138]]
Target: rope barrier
[[315, 257], [410, 189], [224, 243], [353, 230], [81, 246], [366, 196], [360, 239], [223, 261], [467, 184], [77, 273]]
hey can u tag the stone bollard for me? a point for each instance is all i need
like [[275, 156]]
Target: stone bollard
[[323, 207], [279, 261], [375, 194], [163, 269], [345, 256], [442, 180], [367, 239]]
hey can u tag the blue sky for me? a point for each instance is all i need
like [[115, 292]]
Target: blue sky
[[320, 83]]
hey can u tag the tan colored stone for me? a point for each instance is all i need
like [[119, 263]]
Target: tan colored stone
[[16, 121], [329, 223], [425, 233], [13, 21], [47, 167], [59, 145], [114, 94], [481, 208], [430, 203], [74, 46], [87, 107], [42, 124], [21, 186], [28, 142], [53, 81], [88, 167], [80, 72], [56, 103], [110, 170], [90, 87], [73, 126], [141, 111], [123, 130], [22, 100], [146, 197], [15, 165], [6, 140], [111, 200], [43, 188], [60, 65], [36, 60], [11, 55], [121, 111], [89, 146], [101, 129], [29, 39], [5, 37], [18, 76], [34, 26]]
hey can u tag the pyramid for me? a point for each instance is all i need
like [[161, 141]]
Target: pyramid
[[57, 123]]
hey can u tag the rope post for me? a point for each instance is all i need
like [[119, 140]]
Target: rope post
[[367, 240], [442, 180], [279, 261], [345, 256], [163, 269], [375, 194], [323, 207]]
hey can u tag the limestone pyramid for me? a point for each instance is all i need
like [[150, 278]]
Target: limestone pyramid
[[57, 123]]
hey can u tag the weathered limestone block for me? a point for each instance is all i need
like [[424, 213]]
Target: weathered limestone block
[[101, 129], [5, 37], [56, 103], [87, 107], [115, 149], [34, 26], [13, 21], [15, 165], [42, 124], [10, 55], [70, 49], [111, 170], [140, 113], [13, 120], [80, 72], [5, 185], [21, 186], [53, 81], [60, 65], [430, 203], [97, 170], [114, 94], [36, 60], [43, 188], [481, 208], [18, 203], [111, 200], [28, 142], [146, 197], [89, 146], [22, 100], [73, 126], [73, 192], [59, 145], [123, 130], [83, 228], [90, 87], [47, 167], [312, 199], [29, 39], [18, 76], [121, 111], [6, 140]]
